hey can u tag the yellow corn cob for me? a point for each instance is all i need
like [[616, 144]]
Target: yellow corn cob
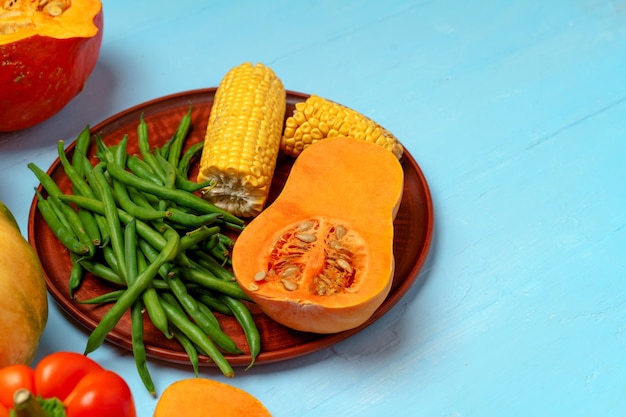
[[318, 118], [242, 139]]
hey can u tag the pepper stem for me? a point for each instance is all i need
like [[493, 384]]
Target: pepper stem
[[26, 405]]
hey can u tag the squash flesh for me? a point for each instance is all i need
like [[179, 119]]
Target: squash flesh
[[338, 182], [201, 397], [24, 19]]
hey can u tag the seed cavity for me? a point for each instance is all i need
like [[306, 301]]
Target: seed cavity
[[331, 248]]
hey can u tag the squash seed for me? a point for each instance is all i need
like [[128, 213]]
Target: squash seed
[[343, 264], [306, 237], [253, 287], [305, 225], [334, 244], [260, 276], [289, 271], [340, 232], [289, 285]]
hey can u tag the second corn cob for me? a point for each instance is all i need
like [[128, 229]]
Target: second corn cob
[[318, 118], [242, 139]]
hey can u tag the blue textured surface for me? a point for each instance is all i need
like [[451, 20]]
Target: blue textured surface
[[515, 111]]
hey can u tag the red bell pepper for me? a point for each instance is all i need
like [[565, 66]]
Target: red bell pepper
[[69, 384]]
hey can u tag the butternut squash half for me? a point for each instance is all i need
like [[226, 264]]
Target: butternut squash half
[[320, 257]]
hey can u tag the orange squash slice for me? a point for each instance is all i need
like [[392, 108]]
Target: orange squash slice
[[320, 257]]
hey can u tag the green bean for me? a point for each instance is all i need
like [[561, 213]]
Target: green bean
[[168, 297], [144, 148], [189, 305], [109, 297], [104, 230], [103, 153], [140, 168], [191, 186], [102, 271], [144, 230], [196, 236], [159, 284], [221, 254], [138, 346], [120, 153], [212, 242], [130, 251], [209, 281], [214, 267], [66, 236], [61, 213], [204, 322], [155, 311], [164, 150], [76, 275], [91, 226], [195, 334], [168, 171], [151, 254], [80, 147], [111, 260], [188, 156], [245, 319], [110, 213], [209, 314], [143, 199], [151, 301], [75, 176], [209, 299], [179, 138], [46, 181], [183, 198], [75, 223], [56, 208], [189, 348], [126, 203], [184, 219], [87, 170], [113, 315]]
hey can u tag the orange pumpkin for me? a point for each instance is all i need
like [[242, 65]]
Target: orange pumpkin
[[201, 397], [23, 296], [320, 257], [48, 49]]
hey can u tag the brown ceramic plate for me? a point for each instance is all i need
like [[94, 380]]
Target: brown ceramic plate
[[413, 233]]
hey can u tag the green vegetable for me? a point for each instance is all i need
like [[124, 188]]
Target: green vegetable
[[135, 222]]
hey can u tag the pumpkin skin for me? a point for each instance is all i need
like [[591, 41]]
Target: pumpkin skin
[[320, 257], [23, 296], [42, 68]]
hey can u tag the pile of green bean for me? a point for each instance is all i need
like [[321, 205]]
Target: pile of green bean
[[136, 222]]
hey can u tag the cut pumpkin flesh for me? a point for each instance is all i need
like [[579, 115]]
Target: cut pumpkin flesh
[[320, 257]]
